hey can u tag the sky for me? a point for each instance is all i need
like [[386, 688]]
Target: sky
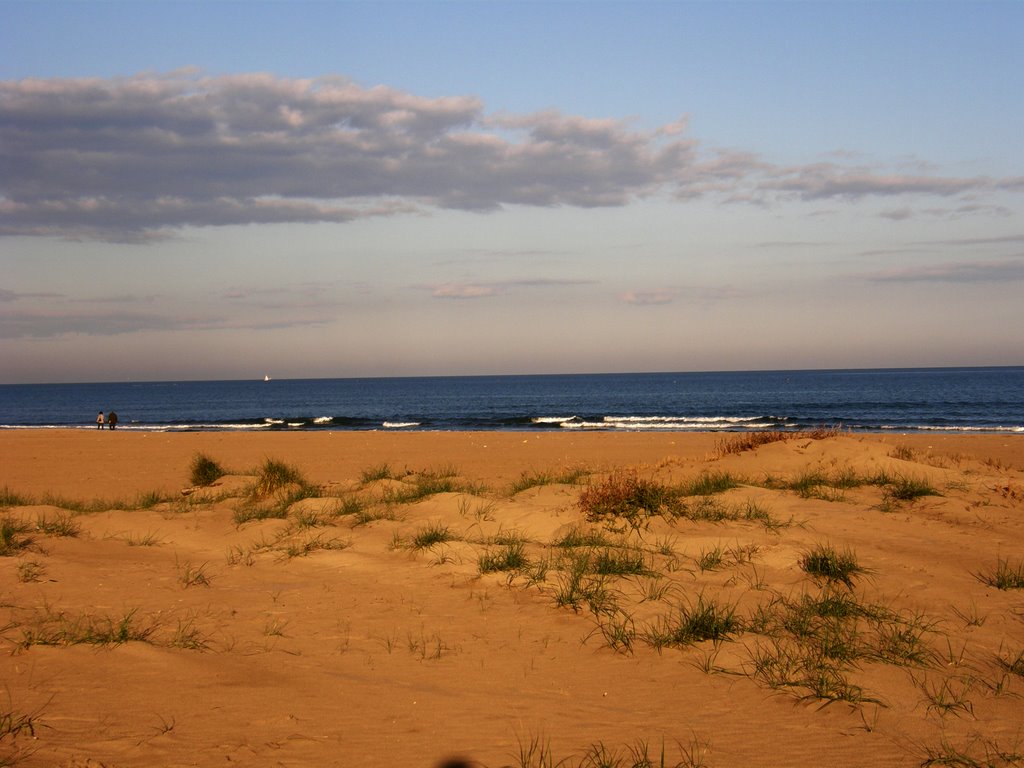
[[227, 190]]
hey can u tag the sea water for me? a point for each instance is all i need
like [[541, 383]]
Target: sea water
[[921, 399]]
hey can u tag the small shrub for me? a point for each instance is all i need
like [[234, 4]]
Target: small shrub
[[627, 496], [204, 470]]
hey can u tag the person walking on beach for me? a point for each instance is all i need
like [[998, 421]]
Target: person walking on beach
[[99, 421], [112, 420]]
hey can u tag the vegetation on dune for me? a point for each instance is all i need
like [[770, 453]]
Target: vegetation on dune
[[204, 470]]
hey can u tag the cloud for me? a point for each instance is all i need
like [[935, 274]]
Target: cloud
[[482, 290], [956, 272], [463, 291], [648, 298], [15, 325], [9, 295], [136, 159]]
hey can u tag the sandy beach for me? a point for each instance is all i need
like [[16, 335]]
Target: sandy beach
[[511, 599]]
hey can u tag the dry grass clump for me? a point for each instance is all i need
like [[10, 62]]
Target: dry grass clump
[[748, 441]]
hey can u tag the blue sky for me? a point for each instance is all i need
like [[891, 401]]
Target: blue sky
[[227, 189]]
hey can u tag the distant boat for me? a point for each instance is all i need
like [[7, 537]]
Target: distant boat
[[266, 378]]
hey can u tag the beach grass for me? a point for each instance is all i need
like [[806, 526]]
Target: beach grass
[[693, 621], [1003, 575], [538, 478], [204, 471], [825, 562]]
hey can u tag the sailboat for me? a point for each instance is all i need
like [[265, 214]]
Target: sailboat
[[266, 378]]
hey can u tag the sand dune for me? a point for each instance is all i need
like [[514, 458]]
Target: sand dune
[[419, 597]]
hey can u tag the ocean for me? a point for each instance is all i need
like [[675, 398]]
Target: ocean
[[908, 400]]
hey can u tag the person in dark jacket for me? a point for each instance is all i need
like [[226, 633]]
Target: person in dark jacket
[[112, 420]]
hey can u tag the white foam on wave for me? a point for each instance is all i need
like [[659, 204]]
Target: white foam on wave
[[1017, 429], [746, 420], [551, 419], [665, 423], [323, 419], [274, 421], [400, 424]]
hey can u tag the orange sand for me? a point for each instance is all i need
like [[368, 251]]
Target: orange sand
[[376, 654]]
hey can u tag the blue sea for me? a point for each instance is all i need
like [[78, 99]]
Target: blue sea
[[907, 400]]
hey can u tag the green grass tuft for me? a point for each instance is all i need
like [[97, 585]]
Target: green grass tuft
[[708, 484], [379, 472], [204, 470], [432, 534], [824, 562], [1004, 575], [508, 557], [909, 489], [9, 498], [694, 623], [12, 538], [274, 475], [60, 525]]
